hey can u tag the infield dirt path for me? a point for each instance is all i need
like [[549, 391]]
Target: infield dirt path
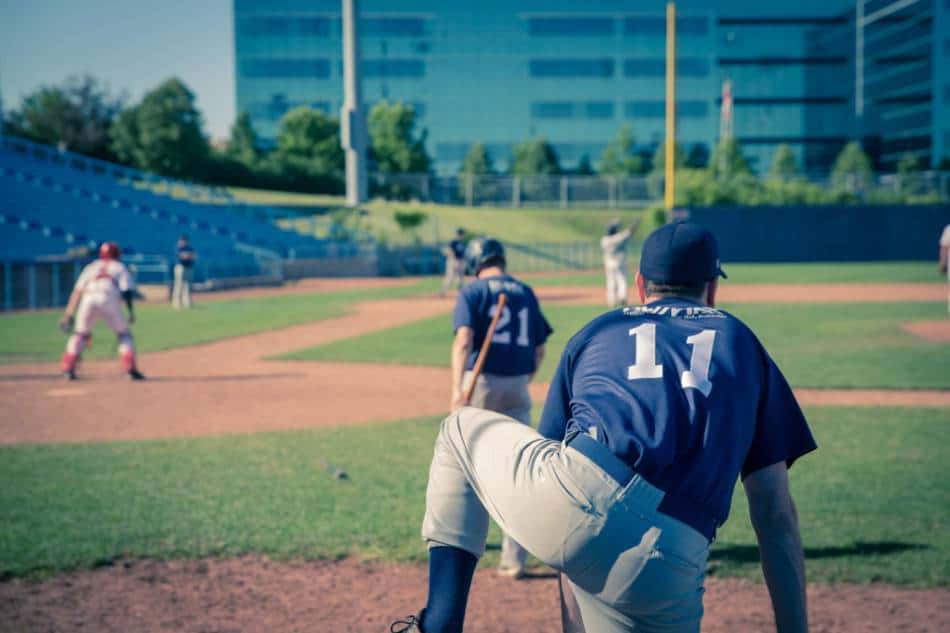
[[257, 594], [227, 387]]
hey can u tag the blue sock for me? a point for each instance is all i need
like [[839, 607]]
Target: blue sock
[[450, 577]]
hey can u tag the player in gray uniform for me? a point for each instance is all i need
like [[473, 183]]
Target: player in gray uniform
[[614, 245], [454, 262], [516, 351], [944, 258]]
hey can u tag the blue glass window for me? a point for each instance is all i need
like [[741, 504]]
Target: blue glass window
[[552, 110], [656, 109], [656, 67], [274, 26], [582, 27], [393, 27], [394, 68], [571, 67], [285, 68], [656, 25], [599, 110]]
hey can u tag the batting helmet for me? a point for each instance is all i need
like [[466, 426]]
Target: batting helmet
[[109, 250], [489, 252], [613, 227]]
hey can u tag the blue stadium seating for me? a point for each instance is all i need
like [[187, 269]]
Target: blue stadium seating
[[62, 196]]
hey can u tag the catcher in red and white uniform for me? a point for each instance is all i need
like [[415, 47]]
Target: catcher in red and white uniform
[[98, 294]]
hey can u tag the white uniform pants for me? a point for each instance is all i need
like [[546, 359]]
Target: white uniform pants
[[91, 309], [454, 274], [616, 284], [507, 395], [181, 291], [630, 567]]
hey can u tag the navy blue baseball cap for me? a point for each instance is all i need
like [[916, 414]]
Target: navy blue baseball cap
[[680, 253]]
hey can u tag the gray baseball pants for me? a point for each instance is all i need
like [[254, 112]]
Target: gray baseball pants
[[630, 567]]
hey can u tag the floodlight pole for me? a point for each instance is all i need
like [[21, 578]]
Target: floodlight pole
[[669, 171], [353, 133]]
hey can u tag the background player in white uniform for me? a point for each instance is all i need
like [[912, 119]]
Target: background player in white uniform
[[516, 350], [614, 245], [944, 258], [98, 294]]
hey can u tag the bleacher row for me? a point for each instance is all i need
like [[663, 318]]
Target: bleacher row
[[48, 208]]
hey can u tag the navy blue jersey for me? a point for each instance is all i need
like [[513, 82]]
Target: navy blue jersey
[[685, 394], [521, 326], [184, 255], [458, 248]]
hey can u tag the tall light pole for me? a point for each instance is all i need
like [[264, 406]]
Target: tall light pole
[[669, 171], [353, 133]]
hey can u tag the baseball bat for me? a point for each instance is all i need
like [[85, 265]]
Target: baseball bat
[[483, 353]]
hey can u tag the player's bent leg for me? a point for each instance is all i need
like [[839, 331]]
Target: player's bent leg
[[74, 346]]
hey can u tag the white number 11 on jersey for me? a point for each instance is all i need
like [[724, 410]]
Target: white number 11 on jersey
[[644, 366]]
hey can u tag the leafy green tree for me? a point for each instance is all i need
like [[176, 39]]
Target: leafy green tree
[[477, 161], [619, 157], [909, 165], [535, 157], [658, 164], [393, 141], [76, 116], [242, 146], [852, 169], [163, 133], [584, 168], [784, 166], [727, 160], [309, 137]]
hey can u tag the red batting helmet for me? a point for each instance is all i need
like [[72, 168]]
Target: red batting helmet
[[109, 250]]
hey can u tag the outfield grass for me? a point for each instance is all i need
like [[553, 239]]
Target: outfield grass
[[816, 345], [34, 336], [872, 501], [798, 273]]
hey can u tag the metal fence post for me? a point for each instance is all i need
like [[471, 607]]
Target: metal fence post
[[426, 196], [8, 286], [612, 192], [31, 286], [563, 192], [469, 189], [516, 191]]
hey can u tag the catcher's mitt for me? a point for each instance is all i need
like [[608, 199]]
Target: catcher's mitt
[[66, 324]]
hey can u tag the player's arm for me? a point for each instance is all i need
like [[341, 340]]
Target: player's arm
[[775, 521], [461, 350], [944, 255], [129, 296]]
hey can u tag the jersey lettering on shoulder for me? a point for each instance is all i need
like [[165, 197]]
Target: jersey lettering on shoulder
[[683, 393], [521, 326]]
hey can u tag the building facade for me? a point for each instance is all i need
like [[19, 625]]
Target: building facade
[[574, 71]]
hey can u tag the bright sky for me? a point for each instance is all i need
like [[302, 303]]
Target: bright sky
[[132, 45]]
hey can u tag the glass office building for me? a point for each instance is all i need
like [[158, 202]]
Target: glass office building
[[573, 71]]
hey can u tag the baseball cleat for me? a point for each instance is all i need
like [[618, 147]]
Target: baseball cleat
[[410, 625], [69, 374], [514, 572], [135, 374]]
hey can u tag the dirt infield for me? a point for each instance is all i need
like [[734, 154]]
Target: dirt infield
[[937, 331], [255, 594], [228, 387]]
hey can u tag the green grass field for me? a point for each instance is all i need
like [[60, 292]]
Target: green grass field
[[34, 336], [817, 273], [872, 500], [816, 345]]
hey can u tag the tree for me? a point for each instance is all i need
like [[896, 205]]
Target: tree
[[163, 133], [784, 166], [584, 168], [409, 222], [727, 160], [393, 142], [658, 164], [242, 146], [312, 138], [534, 158], [909, 165], [76, 116], [852, 169], [619, 157], [477, 161]]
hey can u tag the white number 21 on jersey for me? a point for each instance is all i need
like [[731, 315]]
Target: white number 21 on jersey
[[644, 366]]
